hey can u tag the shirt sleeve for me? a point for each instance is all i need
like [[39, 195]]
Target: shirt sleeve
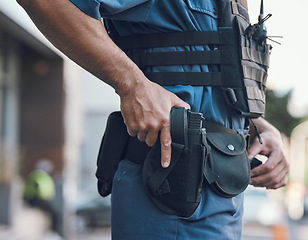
[[90, 7], [126, 10]]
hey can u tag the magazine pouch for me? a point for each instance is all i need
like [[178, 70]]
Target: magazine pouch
[[247, 55], [111, 152]]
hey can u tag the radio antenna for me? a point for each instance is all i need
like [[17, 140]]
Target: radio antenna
[[261, 11]]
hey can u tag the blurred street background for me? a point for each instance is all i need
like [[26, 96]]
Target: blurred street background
[[53, 115]]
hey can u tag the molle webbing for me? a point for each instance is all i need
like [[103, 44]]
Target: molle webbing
[[239, 9], [242, 3], [242, 62], [224, 37]]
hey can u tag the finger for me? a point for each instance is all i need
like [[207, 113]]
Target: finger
[[281, 178], [165, 141], [279, 181], [261, 170], [281, 184], [141, 135], [270, 164], [267, 180], [278, 184], [186, 106], [131, 132], [183, 104], [266, 174], [270, 177], [151, 138], [180, 103], [254, 149]]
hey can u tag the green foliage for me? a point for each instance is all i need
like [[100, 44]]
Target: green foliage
[[277, 112]]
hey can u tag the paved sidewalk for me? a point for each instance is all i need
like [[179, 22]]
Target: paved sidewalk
[[32, 224], [28, 224], [8, 233], [102, 233]]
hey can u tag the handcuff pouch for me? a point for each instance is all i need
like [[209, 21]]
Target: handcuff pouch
[[227, 168]]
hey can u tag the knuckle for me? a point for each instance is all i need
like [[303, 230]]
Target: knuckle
[[268, 168], [132, 126], [165, 120], [153, 126], [272, 177], [285, 183], [256, 182], [141, 126], [166, 142], [275, 182]]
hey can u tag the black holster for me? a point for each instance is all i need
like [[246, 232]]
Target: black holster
[[177, 189]]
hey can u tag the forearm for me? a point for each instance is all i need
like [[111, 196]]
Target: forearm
[[84, 40], [145, 106], [261, 125]]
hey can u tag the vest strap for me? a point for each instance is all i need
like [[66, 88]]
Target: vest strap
[[167, 39], [178, 58], [186, 78]]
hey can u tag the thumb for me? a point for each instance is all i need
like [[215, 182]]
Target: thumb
[[178, 102]]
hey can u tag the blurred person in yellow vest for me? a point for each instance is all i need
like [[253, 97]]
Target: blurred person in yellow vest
[[40, 189]]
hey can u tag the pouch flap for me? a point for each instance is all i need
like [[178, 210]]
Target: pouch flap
[[227, 143]]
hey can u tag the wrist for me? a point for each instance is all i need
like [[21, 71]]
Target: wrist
[[264, 127], [259, 127], [129, 81]]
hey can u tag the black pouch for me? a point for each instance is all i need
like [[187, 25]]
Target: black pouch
[[177, 189], [111, 152], [227, 168], [247, 57]]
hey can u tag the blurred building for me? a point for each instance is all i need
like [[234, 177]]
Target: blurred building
[[297, 189], [49, 109]]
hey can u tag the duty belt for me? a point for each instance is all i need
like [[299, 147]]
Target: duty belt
[[136, 151]]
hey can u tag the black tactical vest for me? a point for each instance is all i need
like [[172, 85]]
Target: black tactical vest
[[242, 56]]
